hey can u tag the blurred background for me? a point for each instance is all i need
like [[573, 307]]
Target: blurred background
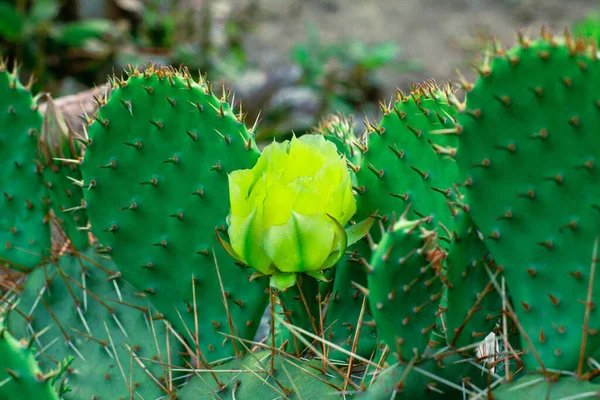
[[292, 61]]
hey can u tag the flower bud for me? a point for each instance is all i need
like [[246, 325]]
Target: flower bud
[[288, 211]]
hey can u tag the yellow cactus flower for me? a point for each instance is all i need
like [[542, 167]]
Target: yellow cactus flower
[[288, 211]]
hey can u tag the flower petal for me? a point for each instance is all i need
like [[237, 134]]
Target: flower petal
[[246, 236], [302, 244], [274, 156], [304, 159], [279, 203], [240, 182]]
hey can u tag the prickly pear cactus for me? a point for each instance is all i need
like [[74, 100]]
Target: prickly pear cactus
[[529, 164], [348, 320], [251, 378], [24, 229], [473, 305], [446, 377], [20, 376], [404, 162], [406, 284], [79, 306], [61, 155], [341, 319], [156, 188], [539, 387]]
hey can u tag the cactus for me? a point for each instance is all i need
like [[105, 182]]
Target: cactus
[[156, 184], [343, 324], [528, 149], [250, 378], [406, 284], [339, 130], [445, 376], [403, 161], [81, 307], [61, 154], [24, 229], [341, 319], [473, 305], [20, 374], [300, 306], [487, 212], [536, 387]]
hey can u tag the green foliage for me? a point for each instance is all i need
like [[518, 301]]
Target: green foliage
[[80, 307], [36, 34], [11, 26], [156, 191], [528, 155], [588, 27], [82, 34], [343, 73], [24, 230], [20, 374]]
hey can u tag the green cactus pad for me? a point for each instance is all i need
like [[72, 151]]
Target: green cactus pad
[[250, 378], [80, 307], [538, 387], [405, 163], [63, 177], [157, 170], [428, 380], [529, 163], [20, 376], [473, 305], [405, 288], [24, 229], [345, 306]]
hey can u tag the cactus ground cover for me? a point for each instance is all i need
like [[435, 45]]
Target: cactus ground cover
[[467, 270]]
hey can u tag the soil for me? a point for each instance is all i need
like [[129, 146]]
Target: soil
[[440, 34]]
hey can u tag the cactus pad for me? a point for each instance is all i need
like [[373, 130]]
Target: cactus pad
[[20, 376], [405, 287], [24, 230], [157, 170], [345, 307], [446, 377], [62, 177], [250, 378], [405, 163], [473, 305], [80, 307], [537, 387], [529, 163]]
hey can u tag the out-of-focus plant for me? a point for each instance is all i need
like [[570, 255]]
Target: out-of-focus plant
[[35, 34], [588, 27], [345, 73], [340, 76], [207, 38]]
